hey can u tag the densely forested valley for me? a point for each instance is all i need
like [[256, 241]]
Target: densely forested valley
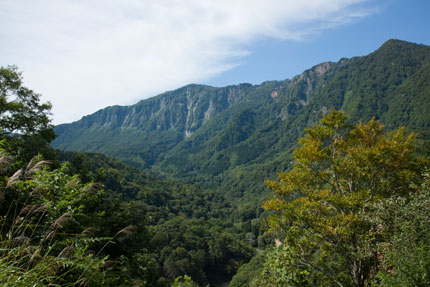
[[318, 180]]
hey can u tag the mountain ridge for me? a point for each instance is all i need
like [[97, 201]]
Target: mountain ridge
[[220, 137]]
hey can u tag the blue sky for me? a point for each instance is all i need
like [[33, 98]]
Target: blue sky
[[85, 55], [274, 59]]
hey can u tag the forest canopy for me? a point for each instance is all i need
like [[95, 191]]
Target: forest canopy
[[331, 209], [351, 209]]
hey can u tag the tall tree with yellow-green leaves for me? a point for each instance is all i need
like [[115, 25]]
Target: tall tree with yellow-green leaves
[[322, 206]]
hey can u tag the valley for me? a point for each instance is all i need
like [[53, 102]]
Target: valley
[[318, 180]]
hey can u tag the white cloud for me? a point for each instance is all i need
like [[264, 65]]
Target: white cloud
[[84, 55]]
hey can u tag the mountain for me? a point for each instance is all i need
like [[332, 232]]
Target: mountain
[[232, 138]]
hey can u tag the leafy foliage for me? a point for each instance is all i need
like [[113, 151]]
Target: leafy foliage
[[249, 271], [24, 120], [323, 202], [188, 231], [405, 257], [42, 237], [58, 230], [184, 281], [345, 210], [231, 139]]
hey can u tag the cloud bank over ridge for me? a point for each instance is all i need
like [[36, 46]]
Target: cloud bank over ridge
[[85, 55]]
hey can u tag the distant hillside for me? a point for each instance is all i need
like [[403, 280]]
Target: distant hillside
[[233, 138], [182, 228]]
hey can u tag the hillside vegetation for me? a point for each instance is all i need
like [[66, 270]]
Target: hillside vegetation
[[72, 219], [192, 199], [231, 139]]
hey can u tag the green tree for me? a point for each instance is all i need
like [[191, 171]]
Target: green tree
[[405, 252], [322, 204], [24, 120], [248, 272], [184, 281]]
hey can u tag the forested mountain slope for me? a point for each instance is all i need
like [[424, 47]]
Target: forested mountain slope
[[233, 138], [70, 219], [182, 229]]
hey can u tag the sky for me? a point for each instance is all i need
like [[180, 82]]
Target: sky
[[84, 55]]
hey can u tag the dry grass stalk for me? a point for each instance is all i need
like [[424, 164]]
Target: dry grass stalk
[[83, 282], [44, 207], [127, 230], [73, 182], [38, 166], [92, 187], [17, 221], [29, 209], [90, 231], [90, 252], [21, 240], [4, 159], [59, 222], [14, 178], [50, 235], [37, 192], [36, 254], [32, 162], [65, 252]]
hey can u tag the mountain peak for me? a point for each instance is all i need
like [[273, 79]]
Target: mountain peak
[[398, 46], [198, 128]]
